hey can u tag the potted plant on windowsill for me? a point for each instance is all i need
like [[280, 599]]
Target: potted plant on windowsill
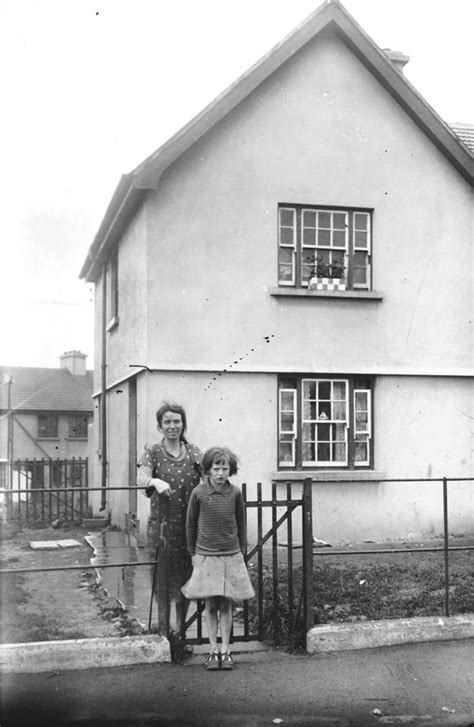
[[327, 276]]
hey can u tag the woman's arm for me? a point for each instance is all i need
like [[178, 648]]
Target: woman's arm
[[150, 484]]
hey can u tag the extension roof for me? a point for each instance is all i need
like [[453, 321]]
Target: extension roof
[[331, 15], [44, 389]]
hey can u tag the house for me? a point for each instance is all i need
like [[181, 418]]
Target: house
[[50, 414], [322, 153]]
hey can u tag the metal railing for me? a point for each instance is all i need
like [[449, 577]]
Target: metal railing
[[446, 549], [50, 489], [308, 551]]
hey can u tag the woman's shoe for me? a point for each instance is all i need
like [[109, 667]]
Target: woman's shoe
[[212, 662], [227, 661]]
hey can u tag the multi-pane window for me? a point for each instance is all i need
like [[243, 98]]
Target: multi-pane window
[[47, 425], [336, 241], [78, 426], [325, 422], [287, 425]]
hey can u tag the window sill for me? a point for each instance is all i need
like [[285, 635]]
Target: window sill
[[292, 292], [113, 323], [76, 439], [354, 475], [47, 439]]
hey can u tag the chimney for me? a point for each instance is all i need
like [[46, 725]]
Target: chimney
[[398, 59], [74, 362]]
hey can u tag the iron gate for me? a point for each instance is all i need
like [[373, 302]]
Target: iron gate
[[280, 571]]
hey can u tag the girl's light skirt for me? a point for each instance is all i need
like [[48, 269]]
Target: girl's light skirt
[[219, 575]]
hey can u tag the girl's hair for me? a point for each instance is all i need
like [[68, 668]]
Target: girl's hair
[[176, 409], [217, 455]]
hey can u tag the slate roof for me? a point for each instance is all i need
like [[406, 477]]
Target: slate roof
[[44, 389], [465, 133], [330, 16]]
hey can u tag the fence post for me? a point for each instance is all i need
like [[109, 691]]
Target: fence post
[[446, 548], [307, 555], [276, 593], [162, 589]]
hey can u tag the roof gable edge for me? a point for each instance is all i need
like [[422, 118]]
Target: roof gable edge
[[331, 15]]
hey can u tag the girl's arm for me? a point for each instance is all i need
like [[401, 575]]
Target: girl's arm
[[192, 523], [240, 520]]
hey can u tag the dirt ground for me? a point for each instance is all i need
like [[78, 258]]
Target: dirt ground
[[53, 605]]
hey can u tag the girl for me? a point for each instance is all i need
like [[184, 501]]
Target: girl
[[215, 534]]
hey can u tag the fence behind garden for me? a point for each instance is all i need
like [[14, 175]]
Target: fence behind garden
[[43, 490]]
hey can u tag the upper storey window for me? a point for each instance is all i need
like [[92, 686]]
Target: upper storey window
[[333, 244]]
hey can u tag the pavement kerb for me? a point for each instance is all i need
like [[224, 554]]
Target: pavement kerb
[[389, 632], [50, 656]]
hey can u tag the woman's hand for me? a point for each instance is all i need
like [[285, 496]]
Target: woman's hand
[[161, 487]]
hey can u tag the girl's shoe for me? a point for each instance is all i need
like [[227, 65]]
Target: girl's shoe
[[227, 661], [212, 662]]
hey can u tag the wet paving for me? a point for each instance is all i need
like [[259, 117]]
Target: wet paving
[[132, 584]]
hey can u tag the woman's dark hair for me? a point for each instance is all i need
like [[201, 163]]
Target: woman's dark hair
[[176, 409], [218, 455]]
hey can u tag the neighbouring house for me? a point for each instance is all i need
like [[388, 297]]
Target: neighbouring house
[[45, 415], [295, 267]]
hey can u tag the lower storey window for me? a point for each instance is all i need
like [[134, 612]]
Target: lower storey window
[[325, 422]]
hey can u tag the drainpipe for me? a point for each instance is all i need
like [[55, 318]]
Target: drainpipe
[[103, 405], [8, 381]]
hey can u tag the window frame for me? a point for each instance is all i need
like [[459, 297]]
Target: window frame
[[350, 250], [44, 432], [75, 421], [112, 298], [353, 387]]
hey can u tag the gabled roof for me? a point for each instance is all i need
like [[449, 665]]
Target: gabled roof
[[44, 389], [331, 15]]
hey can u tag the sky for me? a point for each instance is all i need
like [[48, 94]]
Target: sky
[[92, 88]]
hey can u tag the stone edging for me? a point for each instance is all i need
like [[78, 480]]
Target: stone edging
[[388, 632], [50, 656]]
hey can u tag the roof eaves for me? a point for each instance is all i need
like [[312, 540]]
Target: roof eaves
[[124, 203], [331, 14], [147, 174], [131, 188], [419, 110]]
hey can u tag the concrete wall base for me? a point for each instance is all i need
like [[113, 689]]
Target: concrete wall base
[[47, 656], [369, 634]]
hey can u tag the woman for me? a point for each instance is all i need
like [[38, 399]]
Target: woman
[[168, 472]]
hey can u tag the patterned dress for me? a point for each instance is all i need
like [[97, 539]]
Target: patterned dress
[[182, 473]]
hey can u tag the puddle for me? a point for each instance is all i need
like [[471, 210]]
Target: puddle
[[132, 584]]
